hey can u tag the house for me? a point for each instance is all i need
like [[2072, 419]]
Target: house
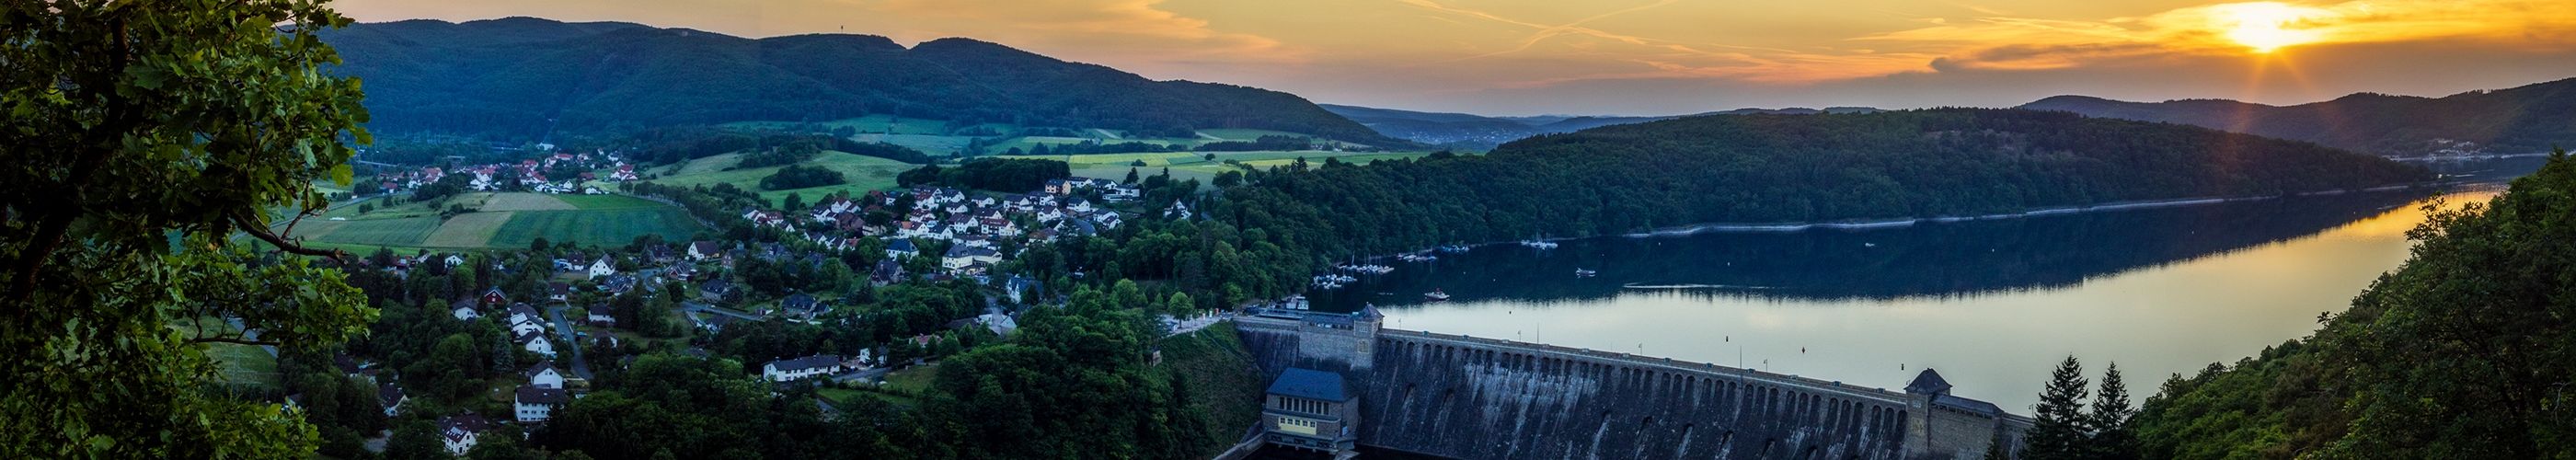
[[454, 260], [558, 291], [390, 397], [536, 404], [601, 267], [458, 431], [1000, 324], [1020, 287], [536, 342], [901, 248], [599, 315], [543, 375], [887, 272], [715, 290], [801, 304], [962, 256], [799, 368], [523, 313], [704, 250], [494, 296], [465, 312], [1310, 409]]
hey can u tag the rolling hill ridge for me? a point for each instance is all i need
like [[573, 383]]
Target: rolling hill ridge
[[2527, 119], [526, 77]]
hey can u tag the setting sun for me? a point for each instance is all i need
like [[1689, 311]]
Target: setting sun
[[2259, 25]]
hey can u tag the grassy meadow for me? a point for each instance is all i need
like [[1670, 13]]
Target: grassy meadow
[[862, 172], [497, 220]]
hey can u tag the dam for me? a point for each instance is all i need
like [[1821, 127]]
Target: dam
[[1480, 398]]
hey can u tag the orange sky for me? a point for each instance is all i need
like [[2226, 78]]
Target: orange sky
[[1684, 56]]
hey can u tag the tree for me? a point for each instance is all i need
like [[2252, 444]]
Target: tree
[[2060, 430], [132, 123], [2112, 439], [1131, 174]]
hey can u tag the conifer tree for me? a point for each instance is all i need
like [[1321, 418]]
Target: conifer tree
[[2061, 430], [2113, 438]]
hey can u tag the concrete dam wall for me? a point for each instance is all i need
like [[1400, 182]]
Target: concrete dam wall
[[1475, 398]]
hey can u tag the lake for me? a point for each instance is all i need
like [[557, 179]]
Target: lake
[[1993, 305]]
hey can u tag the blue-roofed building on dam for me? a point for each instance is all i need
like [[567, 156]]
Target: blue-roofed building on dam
[[1310, 409]]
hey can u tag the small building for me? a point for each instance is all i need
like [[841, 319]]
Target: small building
[[390, 397], [704, 250], [536, 342], [458, 431], [601, 267], [901, 248], [799, 368], [465, 312], [599, 315], [1310, 409], [535, 404], [715, 290], [543, 375]]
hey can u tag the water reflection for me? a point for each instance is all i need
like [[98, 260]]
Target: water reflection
[[1992, 304]]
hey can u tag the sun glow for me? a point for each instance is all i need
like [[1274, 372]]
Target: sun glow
[[2260, 25]]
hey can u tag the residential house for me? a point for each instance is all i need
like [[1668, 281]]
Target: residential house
[[715, 290], [802, 305], [458, 431], [602, 267], [465, 312], [558, 291], [599, 316], [961, 256], [536, 404], [544, 375], [799, 368], [901, 248], [494, 296], [705, 250], [535, 342], [390, 397]]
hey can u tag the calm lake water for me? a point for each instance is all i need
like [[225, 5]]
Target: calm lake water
[[1993, 305]]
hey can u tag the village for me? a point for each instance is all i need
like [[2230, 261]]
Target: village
[[935, 235]]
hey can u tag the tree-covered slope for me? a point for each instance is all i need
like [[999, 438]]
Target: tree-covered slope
[[2466, 351], [1787, 168], [2527, 119], [523, 76]]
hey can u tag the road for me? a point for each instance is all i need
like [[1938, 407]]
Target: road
[[564, 328]]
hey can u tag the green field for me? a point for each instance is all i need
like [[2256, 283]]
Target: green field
[[405, 231], [502, 220], [246, 365], [608, 227], [862, 172]]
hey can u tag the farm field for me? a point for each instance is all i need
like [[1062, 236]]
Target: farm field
[[863, 173], [499, 220]]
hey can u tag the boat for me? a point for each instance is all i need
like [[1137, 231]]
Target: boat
[[1540, 244], [1584, 273], [1435, 295], [1454, 248]]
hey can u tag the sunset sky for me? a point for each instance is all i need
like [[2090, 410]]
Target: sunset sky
[[1685, 56]]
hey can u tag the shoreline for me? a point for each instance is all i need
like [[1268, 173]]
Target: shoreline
[[1901, 222]]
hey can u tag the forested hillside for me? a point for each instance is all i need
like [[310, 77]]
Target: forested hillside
[[1791, 168], [2527, 119], [2466, 351], [522, 77]]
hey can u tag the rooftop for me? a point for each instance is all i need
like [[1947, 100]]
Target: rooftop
[[1310, 384]]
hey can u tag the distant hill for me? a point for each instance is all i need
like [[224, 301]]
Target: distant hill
[[1484, 132], [1808, 168], [2527, 119], [524, 77]]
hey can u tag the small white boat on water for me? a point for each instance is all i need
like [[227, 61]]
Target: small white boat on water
[[1435, 296], [1584, 273]]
